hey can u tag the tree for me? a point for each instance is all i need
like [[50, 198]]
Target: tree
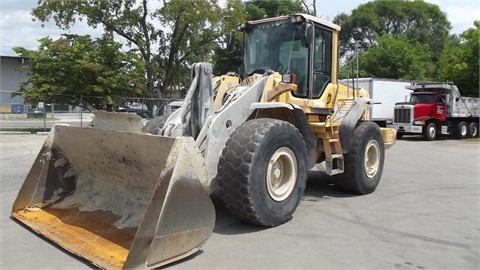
[[233, 14], [460, 61], [75, 67], [124, 18], [395, 58], [189, 26], [260, 9], [310, 7], [195, 27], [416, 20]]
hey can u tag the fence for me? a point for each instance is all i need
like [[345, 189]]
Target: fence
[[154, 105]]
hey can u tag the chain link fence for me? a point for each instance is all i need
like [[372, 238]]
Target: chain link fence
[[8, 105]]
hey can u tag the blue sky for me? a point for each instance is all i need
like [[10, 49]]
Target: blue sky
[[18, 29]]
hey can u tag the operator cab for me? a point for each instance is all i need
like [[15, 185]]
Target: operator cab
[[296, 46]]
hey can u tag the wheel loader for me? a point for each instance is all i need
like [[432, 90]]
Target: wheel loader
[[121, 197]]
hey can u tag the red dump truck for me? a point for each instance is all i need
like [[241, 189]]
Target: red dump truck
[[437, 108]]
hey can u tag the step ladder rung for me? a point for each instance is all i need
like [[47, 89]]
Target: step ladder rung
[[336, 171], [337, 156]]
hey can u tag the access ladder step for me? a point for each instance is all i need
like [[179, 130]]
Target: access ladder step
[[329, 161], [336, 171]]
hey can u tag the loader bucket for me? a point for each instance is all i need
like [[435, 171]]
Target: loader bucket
[[118, 199]]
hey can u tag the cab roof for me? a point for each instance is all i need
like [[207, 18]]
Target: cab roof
[[430, 86], [305, 16]]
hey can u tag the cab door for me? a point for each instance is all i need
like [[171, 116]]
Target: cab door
[[440, 108]]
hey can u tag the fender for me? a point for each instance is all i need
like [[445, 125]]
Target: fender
[[294, 115], [349, 122]]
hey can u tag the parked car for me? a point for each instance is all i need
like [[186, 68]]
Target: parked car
[[146, 114]]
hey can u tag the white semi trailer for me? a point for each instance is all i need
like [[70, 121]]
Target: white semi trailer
[[385, 91]]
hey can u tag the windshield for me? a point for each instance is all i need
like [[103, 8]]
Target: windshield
[[422, 98], [275, 46]]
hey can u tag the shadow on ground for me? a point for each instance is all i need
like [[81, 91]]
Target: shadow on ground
[[319, 187]]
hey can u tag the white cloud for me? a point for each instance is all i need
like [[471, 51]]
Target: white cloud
[[460, 13], [18, 30], [462, 17]]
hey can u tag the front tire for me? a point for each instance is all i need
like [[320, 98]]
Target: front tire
[[262, 171], [364, 162], [430, 132]]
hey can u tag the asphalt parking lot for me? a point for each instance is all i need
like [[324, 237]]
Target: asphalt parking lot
[[425, 214]]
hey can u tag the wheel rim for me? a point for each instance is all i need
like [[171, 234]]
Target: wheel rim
[[463, 130], [281, 174], [474, 131], [372, 158], [432, 132]]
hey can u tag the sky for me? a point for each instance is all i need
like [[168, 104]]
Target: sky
[[18, 29]]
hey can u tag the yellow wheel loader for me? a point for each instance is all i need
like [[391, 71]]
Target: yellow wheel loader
[[122, 197]]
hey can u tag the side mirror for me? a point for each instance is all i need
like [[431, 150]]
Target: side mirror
[[307, 37], [230, 42]]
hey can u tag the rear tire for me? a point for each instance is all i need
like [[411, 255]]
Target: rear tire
[[262, 171], [430, 132], [472, 131], [461, 130], [364, 162]]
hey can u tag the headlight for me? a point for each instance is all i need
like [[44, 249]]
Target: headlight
[[419, 123], [289, 78]]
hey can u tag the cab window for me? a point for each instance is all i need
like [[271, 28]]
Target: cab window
[[322, 68]]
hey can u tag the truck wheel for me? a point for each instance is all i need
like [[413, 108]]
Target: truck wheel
[[364, 162], [430, 132], [472, 131], [399, 135], [262, 171], [461, 130]]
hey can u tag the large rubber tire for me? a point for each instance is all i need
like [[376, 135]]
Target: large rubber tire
[[461, 130], [262, 171], [472, 131], [430, 132], [364, 162]]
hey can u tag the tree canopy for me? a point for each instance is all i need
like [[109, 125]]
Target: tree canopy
[[407, 39], [395, 58], [187, 27], [460, 61], [260, 9], [76, 67], [416, 20]]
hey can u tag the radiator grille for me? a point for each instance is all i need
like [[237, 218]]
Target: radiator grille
[[402, 115]]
